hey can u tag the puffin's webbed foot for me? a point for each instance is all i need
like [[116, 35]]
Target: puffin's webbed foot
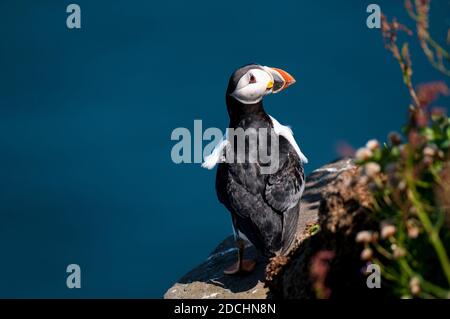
[[245, 266], [241, 265]]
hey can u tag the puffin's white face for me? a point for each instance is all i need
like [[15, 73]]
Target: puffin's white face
[[258, 82], [253, 86]]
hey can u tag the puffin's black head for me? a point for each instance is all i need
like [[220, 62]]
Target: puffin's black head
[[250, 83]]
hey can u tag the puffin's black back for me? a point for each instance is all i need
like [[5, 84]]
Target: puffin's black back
[[265, 207]]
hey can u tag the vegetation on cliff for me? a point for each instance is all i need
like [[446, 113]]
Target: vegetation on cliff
[[408, 177]]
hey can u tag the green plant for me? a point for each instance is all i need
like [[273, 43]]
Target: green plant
[[408, 178]]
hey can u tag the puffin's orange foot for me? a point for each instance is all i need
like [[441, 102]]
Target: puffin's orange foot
[[245, 266]]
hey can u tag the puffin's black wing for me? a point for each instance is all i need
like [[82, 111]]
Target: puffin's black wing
[[284, 188], [251, 214]]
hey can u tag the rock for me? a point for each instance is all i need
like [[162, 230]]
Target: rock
[[207, 279], [328, 264]]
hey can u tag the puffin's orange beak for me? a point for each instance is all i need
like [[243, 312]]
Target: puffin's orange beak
[[281, 78]]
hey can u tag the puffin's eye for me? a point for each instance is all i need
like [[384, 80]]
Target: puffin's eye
[[252, 79]]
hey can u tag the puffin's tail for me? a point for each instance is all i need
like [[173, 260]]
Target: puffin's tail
[[290, 222]]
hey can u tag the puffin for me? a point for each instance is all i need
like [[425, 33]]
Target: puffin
[[264, 203]]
